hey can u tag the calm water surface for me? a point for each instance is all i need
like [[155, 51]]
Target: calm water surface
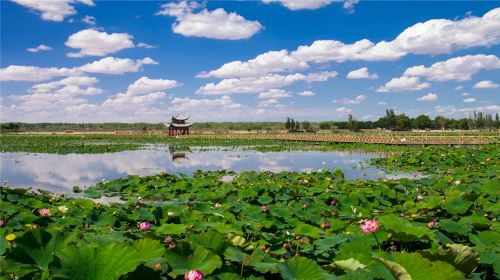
[[59, 173]]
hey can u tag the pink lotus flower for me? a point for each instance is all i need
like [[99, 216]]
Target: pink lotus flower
[[193, 275], [264, 208], [420, 197], [369, 226], [432, 224], [1, 223], [325, 225], [145, 226], [333, 202], [45, 212]]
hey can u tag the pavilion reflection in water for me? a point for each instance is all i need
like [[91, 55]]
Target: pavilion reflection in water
[[179, 153]]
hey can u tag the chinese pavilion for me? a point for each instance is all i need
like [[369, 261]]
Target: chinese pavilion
[[178, 126]]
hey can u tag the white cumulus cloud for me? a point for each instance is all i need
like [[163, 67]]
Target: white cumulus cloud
[[141, 96], [470, 100], [273, 61], [190, 104], [429, 97], [307, 93], [458, 68], [145, 85], [274, 94], [485, 85], [301, 4], [113, 65], [343, 110], [361, 73], [107, 65], [90, 20], [53, 10], [216, 24], [262, 83], [33, 73], [436, 36], [95, 43], [349, 101], [41, 47], [404, 83]]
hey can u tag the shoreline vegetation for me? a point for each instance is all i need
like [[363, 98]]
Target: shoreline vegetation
[[259, 225], [107, 143], [476, 121]]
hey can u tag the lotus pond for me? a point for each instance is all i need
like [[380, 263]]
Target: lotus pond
[[266, 225], [60, 173]]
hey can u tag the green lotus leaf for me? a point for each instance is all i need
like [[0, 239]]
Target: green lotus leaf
[[212, 240], [397, 270], [92, 193], [420, 268], [404, 229], [301, 268], [307, 230], [174, 229], [150, 250], [456, 205], [454, 227], [201, 259], [486, 239], [41, 245], [90, 262], [349, 264], [328, 243]]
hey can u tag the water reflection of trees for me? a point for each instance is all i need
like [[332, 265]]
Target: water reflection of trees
[[179, 152]]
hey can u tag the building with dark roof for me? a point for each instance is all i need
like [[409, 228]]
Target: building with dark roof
[[178, 125]]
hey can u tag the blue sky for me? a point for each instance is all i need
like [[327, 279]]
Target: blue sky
[[92, 61]]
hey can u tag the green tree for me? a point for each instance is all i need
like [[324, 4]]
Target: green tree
[[287, 124], [403, 122], [422, 122], [306, 125], [352, 124], [440, 122], [325, 125], [497, 121]]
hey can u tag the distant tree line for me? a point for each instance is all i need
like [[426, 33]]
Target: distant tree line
[[391, 121], [401, 122]]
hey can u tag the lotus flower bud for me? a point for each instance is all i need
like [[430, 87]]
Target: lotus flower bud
[[432, 224], [45, 212], [193, 275], [369, 226], [144, 226]]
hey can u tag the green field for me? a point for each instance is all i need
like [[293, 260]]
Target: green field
[[259, 225]]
